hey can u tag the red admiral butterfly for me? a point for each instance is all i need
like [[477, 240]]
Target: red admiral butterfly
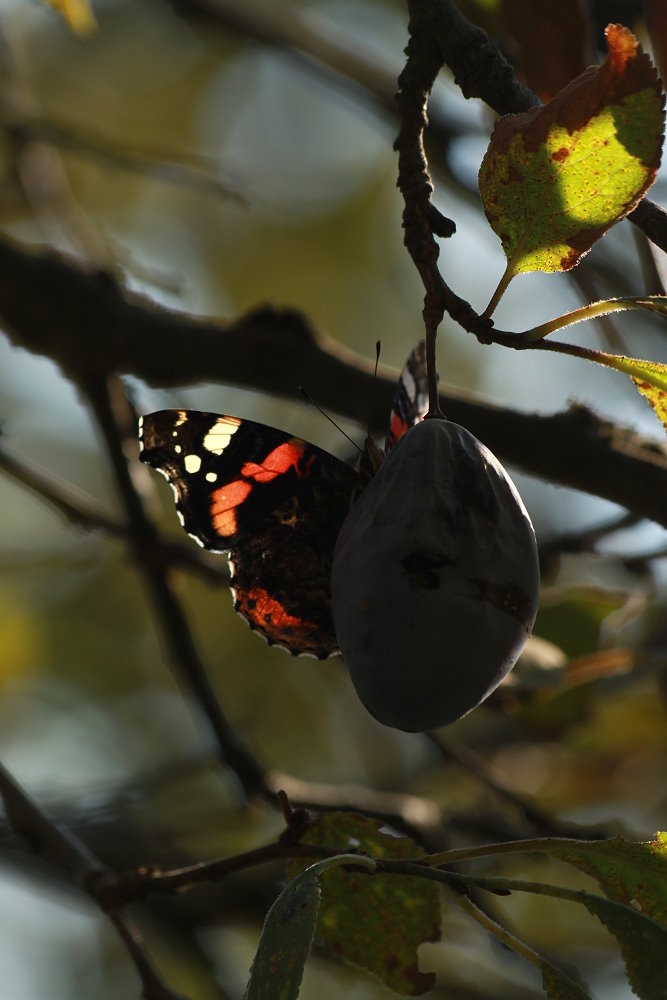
[[274, 502]]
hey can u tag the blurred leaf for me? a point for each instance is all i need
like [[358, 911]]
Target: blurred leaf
[[594, 666], [553, 42], [633, 874], [77, 14], [285, 944], [655, 12], [375, 923], [572, 621], [548, 715], [555, 178]]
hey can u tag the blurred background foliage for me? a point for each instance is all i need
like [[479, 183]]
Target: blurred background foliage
[[216, 167]]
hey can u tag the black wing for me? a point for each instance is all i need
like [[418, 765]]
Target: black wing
[[273, 501]]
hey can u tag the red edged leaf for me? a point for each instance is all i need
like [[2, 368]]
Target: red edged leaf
[[555, 178]]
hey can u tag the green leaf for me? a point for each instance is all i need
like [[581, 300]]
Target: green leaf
[[633, 874], [376, 923], [285, 943], [555, 178], [642, 941], [643, 944], [558, 986], [289, 928], [650, 377], [573, 621]]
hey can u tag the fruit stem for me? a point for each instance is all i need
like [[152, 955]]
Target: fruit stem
[[432, 371]]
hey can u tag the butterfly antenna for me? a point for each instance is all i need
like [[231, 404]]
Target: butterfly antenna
[[327, 416], [375, 375]]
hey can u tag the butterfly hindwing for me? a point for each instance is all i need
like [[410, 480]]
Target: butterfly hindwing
[[411, 397]]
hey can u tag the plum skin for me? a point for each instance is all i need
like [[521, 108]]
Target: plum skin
[[435, 579]]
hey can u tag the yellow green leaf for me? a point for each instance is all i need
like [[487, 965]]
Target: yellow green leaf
[[655, 393], [633, 874], [650, 377], [555, 178], [375, 923], [77, 14]]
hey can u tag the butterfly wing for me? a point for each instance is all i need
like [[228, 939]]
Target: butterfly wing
[[410, 404], [274, 502]]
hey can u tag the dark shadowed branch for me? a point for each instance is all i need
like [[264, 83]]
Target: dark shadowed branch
[[58, 846], [84, 512], [113, 415], [91, 328]]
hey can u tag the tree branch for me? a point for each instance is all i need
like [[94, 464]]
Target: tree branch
[[82, 511], [174, 626], [89, 326], [62, 848]]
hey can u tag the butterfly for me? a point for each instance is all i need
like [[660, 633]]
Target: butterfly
[[275, 503]]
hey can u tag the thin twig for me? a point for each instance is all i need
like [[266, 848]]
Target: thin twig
[[586, 539], [415, 815], [184, 169], [541, 820], [62, 848], [173, 622], [80, 509]]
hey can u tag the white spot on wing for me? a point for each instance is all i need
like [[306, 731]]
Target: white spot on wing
[[192, 463], [211, 477], [409, 383], [220, 434]]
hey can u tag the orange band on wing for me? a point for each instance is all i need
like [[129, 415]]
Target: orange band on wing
[[279, 461], [398, 427], [223, 502], [226, 498], [271, 612]]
